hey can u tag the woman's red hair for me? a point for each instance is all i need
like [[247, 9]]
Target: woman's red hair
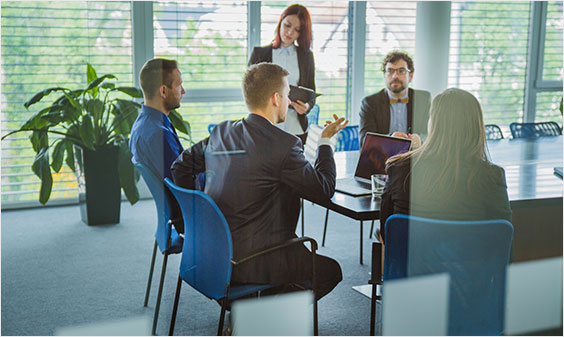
[[305, 38]]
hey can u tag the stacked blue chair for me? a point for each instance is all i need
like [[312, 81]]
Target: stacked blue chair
[[475, 254], [207, 258], [535, 130], [166, 237]]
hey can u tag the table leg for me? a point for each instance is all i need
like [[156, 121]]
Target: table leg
[[361, 241]]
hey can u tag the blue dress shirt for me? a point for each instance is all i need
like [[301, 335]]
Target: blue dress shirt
[[398, 115], [154, 142]]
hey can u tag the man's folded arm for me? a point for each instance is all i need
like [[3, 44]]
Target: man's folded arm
[[189, 164]]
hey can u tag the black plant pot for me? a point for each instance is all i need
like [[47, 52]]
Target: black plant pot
[[99, 194]]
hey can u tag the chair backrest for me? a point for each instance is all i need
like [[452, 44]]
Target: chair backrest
[[534, 130], [155, 184], [348, 139], [210, 127], [313, 115], [474, 253], [208, 249], [493, 132]]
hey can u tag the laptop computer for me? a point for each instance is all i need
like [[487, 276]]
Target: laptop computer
[[375, 152]]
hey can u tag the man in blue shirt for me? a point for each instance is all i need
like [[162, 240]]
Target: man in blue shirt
[[154, 141], [396, 109]]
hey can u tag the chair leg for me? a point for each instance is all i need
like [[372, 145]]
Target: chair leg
[[222, 316], [325, 227], [371, 230], [160, 294], [175, 306], [302, 200], [148, 291], [361, 229], [373, 311]]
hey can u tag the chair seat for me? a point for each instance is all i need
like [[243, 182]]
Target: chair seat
[[238, 291]]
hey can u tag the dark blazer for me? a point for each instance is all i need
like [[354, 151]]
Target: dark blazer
[[307, 72], [375, 113], [484, 199], [257, 187]]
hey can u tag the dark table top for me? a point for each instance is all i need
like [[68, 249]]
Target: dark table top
[[528, 163]]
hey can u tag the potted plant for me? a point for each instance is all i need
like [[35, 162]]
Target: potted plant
[[92, 127]]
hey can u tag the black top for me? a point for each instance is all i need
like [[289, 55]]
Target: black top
[[256, 173], [307, 72], [484, 198]]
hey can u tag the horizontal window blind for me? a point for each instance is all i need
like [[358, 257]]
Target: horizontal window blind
[[552, 65], [488, 56], [47, 44], [389, 26], [330, 28], [209, 41]]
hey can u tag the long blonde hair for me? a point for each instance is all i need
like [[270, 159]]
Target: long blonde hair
[[456, 136]]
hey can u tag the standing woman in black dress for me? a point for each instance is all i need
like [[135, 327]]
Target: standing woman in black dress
[[291, 50]]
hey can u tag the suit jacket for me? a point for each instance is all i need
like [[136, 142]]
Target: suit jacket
[[307, 72], [485, 198], [375, 113], [256, 174]]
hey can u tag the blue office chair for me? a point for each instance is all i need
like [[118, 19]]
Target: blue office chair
[[493, 132], [475, 254], [207, 258], [166, 237], [535, 130], [210, 127], [313, 115], [347, 139]]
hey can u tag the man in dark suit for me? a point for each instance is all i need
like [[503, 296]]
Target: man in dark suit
[[396, 109], [256, 173]]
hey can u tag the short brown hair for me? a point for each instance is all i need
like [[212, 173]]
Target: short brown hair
[[260, 82], [155, 73], [396, 55]]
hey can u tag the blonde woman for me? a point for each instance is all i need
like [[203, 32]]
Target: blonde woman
[[449, 177]]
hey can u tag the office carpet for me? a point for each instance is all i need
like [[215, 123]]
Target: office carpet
[[58, 272]]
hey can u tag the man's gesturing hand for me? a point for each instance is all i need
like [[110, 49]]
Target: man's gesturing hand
[[332, 128]]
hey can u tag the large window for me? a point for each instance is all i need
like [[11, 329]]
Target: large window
[[209, 40], [47, 44]]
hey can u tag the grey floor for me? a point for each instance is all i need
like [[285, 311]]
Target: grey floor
[[58, 272]]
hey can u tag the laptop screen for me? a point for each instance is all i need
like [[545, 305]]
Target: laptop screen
[[376, 150]]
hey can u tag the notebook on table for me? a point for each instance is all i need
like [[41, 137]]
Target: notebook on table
[[376, 150]]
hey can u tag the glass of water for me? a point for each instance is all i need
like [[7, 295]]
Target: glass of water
[[378, 183]]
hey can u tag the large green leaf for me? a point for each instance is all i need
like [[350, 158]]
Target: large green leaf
[[86, 131], [39, 140], [72, 100], [179, 123], [99, 80], [95, 107], [41, 168], [58, 156], [131, 91], [37, 97], [125, 115], [35, 121], [128, 175], [70, 155], [90, 73]]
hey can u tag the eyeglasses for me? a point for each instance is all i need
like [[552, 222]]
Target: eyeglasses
[[400, 71]]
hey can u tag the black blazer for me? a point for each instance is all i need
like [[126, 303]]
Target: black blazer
[[484, 199], [258, 190], [375, 113], [307, 72]]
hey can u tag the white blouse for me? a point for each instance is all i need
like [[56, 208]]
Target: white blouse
[[288, 59]]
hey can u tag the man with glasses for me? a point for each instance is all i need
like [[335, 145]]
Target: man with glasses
[[396, 109]]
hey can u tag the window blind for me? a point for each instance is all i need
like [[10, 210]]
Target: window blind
[[329, 29], [389, 26], [209, 41], [488, 56], [47, 44]]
